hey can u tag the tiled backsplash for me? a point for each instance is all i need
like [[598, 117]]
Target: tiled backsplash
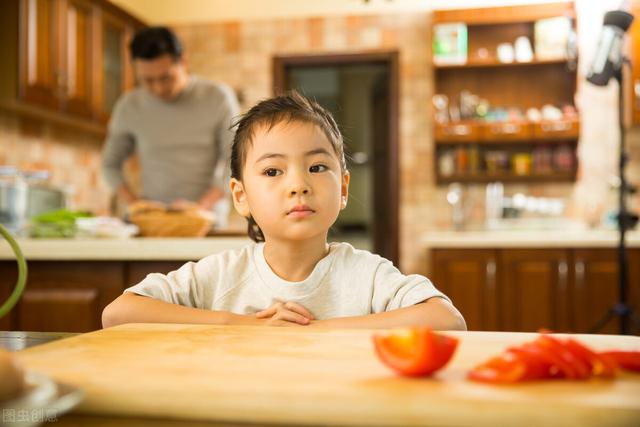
[[240, 54]]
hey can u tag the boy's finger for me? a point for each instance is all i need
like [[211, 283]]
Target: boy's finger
[[266, 313], [292, 317], [294, 306]]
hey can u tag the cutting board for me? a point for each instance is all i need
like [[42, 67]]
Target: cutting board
[[304, 375]]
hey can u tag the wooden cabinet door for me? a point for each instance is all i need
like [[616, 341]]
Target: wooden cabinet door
[[534, 285], [68, 296], [634, 284], [40, 61], [595, 289], [8, 277], [470, 278], [114, 73], [77, 52]]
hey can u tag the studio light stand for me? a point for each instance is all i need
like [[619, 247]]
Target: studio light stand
[[610, 62]]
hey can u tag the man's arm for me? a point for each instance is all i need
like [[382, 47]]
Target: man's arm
[[118, 146], [132, 308], [435, 313]]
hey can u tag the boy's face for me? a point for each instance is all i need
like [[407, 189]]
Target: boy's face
[[292, 182]]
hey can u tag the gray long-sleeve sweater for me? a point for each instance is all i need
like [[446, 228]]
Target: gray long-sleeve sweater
[[184, 145]]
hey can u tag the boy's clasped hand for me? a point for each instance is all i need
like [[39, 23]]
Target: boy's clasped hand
[[285, 314]]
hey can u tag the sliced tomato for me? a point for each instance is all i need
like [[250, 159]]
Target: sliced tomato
[[571, 366], [509, 367], [629, 360], [539, 364], [600, 366], [416, 351]]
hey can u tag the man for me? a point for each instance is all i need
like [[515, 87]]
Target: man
[[178, 123]]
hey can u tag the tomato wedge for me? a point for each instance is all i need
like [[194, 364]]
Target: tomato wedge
[[415, 351], [629, 360]]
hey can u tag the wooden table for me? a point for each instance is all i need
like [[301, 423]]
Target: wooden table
[[303, 376]]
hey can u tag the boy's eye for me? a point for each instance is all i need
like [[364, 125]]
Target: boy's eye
[[271, 172], [318, 168]]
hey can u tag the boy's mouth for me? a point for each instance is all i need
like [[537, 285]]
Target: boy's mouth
[[300, 211]]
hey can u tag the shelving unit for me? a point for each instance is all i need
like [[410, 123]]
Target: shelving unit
[[472, 144]]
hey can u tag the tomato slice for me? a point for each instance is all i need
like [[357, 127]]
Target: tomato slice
[[509, 367], [629, 360], [416, 351], [600, 366], [571, 366]]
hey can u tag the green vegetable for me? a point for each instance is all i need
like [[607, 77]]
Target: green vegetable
[[22, 274], [59, 223]]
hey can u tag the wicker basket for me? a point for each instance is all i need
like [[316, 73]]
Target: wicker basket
[[159, 223]]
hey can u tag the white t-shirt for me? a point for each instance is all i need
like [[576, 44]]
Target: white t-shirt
[[346, 282]]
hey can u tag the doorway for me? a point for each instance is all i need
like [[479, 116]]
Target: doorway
[[361, 91]]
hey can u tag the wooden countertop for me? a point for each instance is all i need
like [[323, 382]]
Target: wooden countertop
[[306, 375], [529, 239], [131, 249]]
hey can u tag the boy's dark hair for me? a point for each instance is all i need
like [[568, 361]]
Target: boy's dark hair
[[153, 42], [290, 107]]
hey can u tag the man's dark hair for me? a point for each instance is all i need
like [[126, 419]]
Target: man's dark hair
[[286, 108], [154, 42]]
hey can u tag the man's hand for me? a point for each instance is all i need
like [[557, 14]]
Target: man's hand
[[285, 313], [210, 198], [125, 193]]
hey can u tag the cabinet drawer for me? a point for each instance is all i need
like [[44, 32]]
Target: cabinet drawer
[[507, 131], [569, 129], [458, 131]]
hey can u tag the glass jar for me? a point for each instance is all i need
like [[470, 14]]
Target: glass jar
[[13, 199]]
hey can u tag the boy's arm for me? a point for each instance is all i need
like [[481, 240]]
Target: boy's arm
[[436, 313], [132, 308]]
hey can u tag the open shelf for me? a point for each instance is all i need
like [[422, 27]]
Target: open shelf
[[496, 64]]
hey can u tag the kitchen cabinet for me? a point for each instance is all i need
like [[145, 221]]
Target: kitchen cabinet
[[67, 60], [69, 296], [565, 290], [534, 287], [116, 75], [469, 278], [483, 131]]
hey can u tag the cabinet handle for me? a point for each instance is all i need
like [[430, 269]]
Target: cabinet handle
[[563, 271], [579, 269], [490, 271]]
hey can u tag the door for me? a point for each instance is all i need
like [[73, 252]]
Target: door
[[534, 287], [470, 278], [361, 91], [40, 57]]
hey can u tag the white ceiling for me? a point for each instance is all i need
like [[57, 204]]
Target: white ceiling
[[194, 11]]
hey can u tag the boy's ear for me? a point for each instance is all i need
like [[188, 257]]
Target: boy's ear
[[344, 191], [239, 197]]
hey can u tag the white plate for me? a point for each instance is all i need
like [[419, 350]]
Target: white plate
[[43, 400]]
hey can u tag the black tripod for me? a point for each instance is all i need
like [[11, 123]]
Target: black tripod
[[626, 221]]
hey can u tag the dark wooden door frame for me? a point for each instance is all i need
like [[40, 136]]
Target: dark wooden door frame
[[389, 229]]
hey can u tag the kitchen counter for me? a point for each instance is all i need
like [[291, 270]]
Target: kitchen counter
[[132, 249], [528, 239]]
